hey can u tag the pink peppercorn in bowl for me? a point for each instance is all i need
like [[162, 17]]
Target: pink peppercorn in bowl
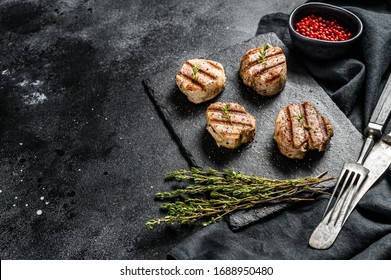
[[322, 31]]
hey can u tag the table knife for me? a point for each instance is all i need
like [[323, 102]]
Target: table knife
[[378, 161]]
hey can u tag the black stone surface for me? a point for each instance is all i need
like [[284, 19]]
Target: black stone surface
[[78, 130], [187, 121]]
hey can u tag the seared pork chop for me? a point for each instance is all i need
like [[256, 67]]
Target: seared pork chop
[[299, 128], [229, 124], [264, 70], [201, 79]]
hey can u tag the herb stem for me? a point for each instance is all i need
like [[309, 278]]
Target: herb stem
[[213, 194]]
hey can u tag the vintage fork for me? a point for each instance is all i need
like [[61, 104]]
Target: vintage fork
[[378, 161], [354, 174]]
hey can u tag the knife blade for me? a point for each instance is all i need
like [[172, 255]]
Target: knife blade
[[378, 161]]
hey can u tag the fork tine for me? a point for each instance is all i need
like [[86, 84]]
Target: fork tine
[[341, 176], [349, 206], [347, 198], [344, 203], [344, 179]]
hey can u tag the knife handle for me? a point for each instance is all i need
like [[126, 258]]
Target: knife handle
[[387, 138], [383, 106]]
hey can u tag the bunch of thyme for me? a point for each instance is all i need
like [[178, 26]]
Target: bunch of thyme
[[213, 194]]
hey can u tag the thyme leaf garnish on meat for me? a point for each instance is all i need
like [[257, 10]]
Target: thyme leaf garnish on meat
[[225, 110], [196, 68], [208, 195], [262, 52], [300, 119]]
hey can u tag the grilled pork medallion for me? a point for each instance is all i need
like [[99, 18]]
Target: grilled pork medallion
[[299, 128], [229, 124], [264, 70], [201, 79]]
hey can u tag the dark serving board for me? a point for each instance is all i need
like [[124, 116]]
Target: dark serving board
[[261, 157]]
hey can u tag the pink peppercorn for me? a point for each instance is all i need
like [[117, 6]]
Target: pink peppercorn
[[319, 28]]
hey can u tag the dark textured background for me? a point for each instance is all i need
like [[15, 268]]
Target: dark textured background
[[79, 138]]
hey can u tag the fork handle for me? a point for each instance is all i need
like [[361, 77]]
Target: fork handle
[[366, 148], [382, 109]]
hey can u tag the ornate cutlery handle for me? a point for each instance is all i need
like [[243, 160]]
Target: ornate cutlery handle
[[381, 112], [378, 119]]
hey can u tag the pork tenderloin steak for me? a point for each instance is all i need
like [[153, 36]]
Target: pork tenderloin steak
[[229, 124], [264, 70], [201, 79], [299, 128]]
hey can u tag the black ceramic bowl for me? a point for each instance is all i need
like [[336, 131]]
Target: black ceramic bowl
[[321, 49]]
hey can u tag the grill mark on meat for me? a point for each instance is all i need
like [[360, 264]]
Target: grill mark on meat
[[229, 122], [226, 137], [227, 131], [271, 79], [266, 69], [191, 81], [318, 133], [309, 119], [256, 50], [289, 119], [266, 59], [275, 52], [299, 124], [213, 65], [200, 70], [248, 54], [218, 110]]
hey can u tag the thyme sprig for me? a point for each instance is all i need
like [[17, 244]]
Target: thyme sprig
[[301, 120], [196, 68], [209, 195], [262, 52], [225, 110]]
